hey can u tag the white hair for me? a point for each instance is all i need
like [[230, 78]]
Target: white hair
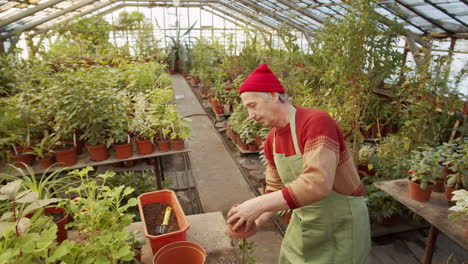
[[282, 97]]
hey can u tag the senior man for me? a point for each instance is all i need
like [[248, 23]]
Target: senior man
[[309, 171]]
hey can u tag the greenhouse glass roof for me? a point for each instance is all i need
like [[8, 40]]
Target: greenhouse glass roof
[[437, 18]]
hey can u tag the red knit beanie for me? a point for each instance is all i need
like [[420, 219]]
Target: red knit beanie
[[262, 80]]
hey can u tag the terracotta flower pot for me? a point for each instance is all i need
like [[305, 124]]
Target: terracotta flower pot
[[66, 157], [164, 145], [181, 252], [416, 193], [252, 147], [98, 152], [239, 233], [27, 159], [177, 144], [79, 145], [219, 110], [244, 146], [168, 197], [123, 151], [438, 186], [62, 233], [47, 161], [448, 193], [145, 147]]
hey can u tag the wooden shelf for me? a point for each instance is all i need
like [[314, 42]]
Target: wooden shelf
[[246, 151], [84, 161], [435, 211]]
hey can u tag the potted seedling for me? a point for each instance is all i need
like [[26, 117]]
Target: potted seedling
[[180, 132], [121, 141], [424, 169], [457, 165], [141, 126], [43, 150]]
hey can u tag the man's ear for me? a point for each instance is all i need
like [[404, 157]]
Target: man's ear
[[275, 97]]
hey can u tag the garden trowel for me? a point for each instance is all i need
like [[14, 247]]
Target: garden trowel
[[164, 227]]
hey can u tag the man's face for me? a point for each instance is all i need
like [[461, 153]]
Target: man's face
[[261, 109]]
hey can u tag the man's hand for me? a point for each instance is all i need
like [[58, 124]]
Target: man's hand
[[245, 213]]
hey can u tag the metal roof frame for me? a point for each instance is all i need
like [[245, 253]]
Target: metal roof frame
[[156, 4]]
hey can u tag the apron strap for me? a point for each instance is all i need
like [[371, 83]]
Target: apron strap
[[292, 125]]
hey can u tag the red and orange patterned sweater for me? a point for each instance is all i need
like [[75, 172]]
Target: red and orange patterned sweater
[[326, 163]]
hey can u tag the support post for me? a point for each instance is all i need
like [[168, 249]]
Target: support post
[[430, 244]]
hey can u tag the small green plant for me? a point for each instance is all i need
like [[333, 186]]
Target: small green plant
[[48, 185], [247, 250], [45, 146], [455, 155], [425, 167]]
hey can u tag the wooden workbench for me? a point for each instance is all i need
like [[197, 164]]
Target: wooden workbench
[[435, 211]]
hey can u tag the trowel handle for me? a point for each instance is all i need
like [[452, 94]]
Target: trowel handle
[[167, 215]]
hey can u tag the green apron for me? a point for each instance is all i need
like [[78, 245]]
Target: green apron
[[333, 230]]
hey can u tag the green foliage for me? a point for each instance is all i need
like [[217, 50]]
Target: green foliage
[[247, 250], [178, 47], [391, 159], [80, 38], [206, 61], [454, 155], [100, 216], [425, 166], [380, 204]]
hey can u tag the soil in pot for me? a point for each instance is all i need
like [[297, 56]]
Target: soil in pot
[[154, 216]]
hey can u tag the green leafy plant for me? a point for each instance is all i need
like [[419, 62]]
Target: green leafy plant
[[48, 185], [425, 167], [380, 204], [100, 217], [455, 155], [177, 49], [247, 250], [45, 146]]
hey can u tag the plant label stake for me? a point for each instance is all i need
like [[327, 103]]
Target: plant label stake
[[74, 140], [164, 134], [164, 227], [14, 148]]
